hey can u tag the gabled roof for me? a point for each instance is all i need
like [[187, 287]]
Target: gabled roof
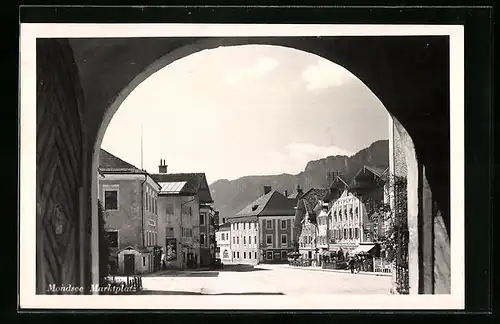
[[380, 175], [111, 163], [195, 184], [224, 226], [376, 170], [340, 180], [274, 203], [311, 198]]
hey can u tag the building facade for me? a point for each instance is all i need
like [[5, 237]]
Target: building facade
[[223, 238], [263, 230], [244, 241], [311, 214], [207, 241], [354, 217], [186, 218], [347, 220], [129, 197]]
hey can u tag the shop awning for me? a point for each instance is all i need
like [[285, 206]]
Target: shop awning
[[362, 249]]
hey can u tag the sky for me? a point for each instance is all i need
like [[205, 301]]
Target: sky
[[245, 110]]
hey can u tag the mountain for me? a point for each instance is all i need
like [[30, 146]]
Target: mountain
[[232, 196]]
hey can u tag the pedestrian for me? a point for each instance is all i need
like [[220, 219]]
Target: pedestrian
[[351, 264]]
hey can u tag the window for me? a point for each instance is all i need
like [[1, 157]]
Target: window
[[190, 211], [269, 239], [255, 255], [249, 240], [143, 261], [111, 199], [244, 240], [284, 255], [356, 232], [202, 239], [345, 233], [169, 232], [269, 224], [169, 209], [238, 255], [225, 255], [249, 255], [283, 224], [146, 199], [234, 240], [234, 254], [283, 239], [255, 239], [223, 220], [244, 255], [238, 240], [350, 233], [244, 225], [269, 255], [112, 237], [202, 219]]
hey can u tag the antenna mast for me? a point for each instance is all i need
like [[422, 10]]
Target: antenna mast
[[142, 168]]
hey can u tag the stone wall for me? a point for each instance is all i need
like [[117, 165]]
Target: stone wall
[[127, 219]]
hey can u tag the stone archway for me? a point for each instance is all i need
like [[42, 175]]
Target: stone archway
[[410, 75], [62, 229]]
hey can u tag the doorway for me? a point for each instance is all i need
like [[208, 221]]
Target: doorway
[[129, 264]]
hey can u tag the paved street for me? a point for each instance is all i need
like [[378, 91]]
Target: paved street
[[265, 280]]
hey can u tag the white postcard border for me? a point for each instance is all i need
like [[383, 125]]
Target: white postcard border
[[27, 221]]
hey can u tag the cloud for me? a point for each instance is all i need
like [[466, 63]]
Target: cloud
[[262, 67], [325, 74]]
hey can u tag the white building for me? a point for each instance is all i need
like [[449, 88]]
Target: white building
[[347, 218], [223, 238], [244, 241]]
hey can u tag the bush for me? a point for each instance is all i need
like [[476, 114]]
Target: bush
[[104, 250]]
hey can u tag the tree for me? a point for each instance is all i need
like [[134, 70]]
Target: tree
[[394, 241], [104, 249]]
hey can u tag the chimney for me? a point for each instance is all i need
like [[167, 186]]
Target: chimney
[[286, 193], [162, 168], [267, 189], [299, 190]]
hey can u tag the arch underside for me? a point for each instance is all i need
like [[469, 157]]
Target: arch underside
[[410, 75]]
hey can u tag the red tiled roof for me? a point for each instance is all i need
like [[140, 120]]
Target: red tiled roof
[[196, 183]]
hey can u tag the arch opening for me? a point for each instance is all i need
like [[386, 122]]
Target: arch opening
[[409, 154]]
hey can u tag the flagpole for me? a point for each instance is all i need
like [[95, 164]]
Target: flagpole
[[142, 168]]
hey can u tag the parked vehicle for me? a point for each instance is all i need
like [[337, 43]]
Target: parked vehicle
[[218, 264]]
